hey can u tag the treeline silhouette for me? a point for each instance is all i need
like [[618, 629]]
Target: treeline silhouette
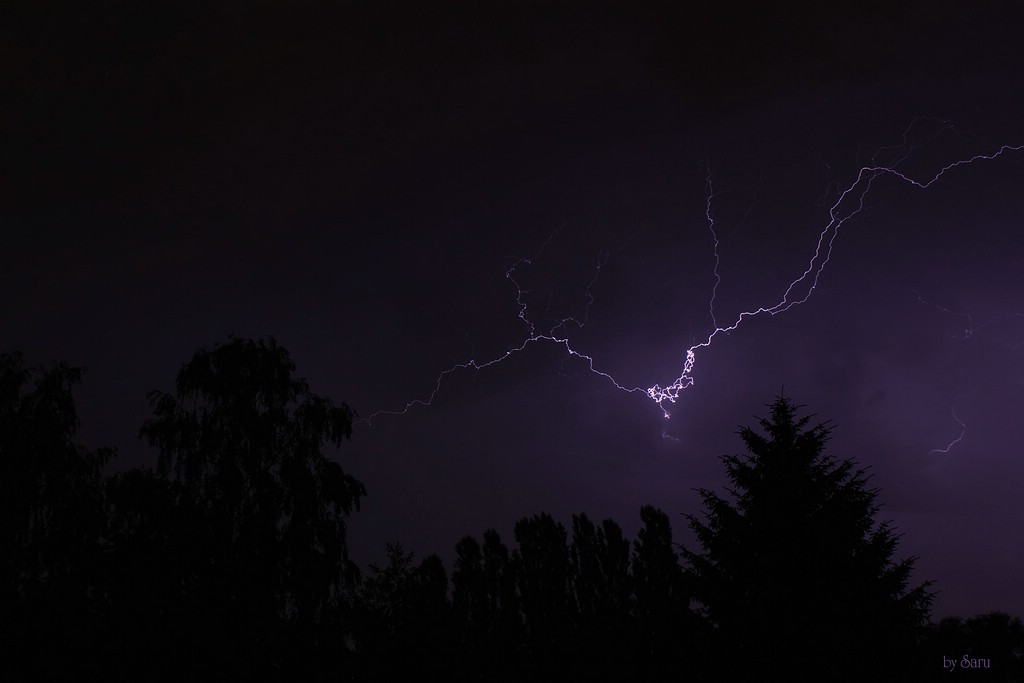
[[228, 559]]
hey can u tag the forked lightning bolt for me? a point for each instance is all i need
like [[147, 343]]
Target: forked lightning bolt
[[532, 337], [848, 204]]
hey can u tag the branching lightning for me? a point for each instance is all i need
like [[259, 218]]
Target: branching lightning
[[848, 204], [533, 336], [808, 280]]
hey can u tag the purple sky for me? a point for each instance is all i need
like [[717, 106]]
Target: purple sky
[[357, 186]]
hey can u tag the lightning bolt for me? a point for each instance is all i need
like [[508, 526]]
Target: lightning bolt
[[963, 430], [710, 195], [848, 204], [808, 280], [968, 332], [533, 336]]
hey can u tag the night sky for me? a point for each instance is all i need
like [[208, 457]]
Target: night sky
[[357, 183]]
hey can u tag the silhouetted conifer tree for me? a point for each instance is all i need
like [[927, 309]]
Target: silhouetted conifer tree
[[795, 574]]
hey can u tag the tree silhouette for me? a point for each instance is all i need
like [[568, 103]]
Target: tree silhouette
[[499, 651], [668, 632], [404, 626], [542, 584], [51, 520], [500, 577], [242, 440], [549, 611], [229, 559], [602, 592], [599, 562], [469, 589], [476, 613], [795, 574], [993, 643], [152, 578]]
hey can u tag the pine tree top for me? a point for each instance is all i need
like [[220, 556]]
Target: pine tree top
[[796, 542]]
